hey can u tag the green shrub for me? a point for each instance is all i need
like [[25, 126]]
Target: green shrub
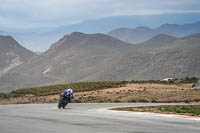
[[3, 95], [138, 100], [142, 101], [132, 101]]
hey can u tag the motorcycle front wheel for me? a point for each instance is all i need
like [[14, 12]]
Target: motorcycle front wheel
[[64, 105], [59, 105]]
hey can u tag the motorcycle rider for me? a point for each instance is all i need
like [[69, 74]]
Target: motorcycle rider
[[67, 94]]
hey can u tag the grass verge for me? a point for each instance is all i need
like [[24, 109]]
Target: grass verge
[[190, 110]]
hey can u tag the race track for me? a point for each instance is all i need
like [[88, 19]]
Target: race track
[[89, 118]]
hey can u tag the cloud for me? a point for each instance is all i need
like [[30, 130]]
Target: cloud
[[26, 14]]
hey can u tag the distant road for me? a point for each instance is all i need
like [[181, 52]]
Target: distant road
[[88, 118]]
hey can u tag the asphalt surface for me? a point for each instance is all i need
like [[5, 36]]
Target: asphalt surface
[[89, 118]]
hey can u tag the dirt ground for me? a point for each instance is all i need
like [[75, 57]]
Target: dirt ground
[[135, 92]]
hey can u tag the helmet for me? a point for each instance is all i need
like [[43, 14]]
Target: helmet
[[70, 89]]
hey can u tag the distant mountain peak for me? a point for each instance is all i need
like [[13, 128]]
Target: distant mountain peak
[[78, 39], [162, 36], [168, 25], [159, 41], [6, 37], [125, 29], [8, 41], [12, 54], [76, 34], [141, 34], [142, 28], [197, 35]]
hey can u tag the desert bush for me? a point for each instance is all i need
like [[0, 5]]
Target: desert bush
[[142, 101], [3, 95], [116, 101], [132, 101], [136, 100]]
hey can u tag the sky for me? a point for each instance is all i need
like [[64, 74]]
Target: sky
[[32, 15], [36, 24]]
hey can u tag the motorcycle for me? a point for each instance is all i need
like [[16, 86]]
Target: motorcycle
[[63, 102]]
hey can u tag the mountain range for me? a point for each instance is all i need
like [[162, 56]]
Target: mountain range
[[93, 57], [68, 60], [90, 57], [176, 58]]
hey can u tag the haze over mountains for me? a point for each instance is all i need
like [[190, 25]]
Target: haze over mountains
[[140, 34], [43, 38], [90, 57]]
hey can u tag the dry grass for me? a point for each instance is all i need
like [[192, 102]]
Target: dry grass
[[133, 92], [145, 92]]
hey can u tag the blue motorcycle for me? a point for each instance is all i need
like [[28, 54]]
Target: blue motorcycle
[[64, 100]]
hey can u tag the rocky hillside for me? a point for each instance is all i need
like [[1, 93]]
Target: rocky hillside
[[94, 57], [72, 58], [178, 58], [12, 54]]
